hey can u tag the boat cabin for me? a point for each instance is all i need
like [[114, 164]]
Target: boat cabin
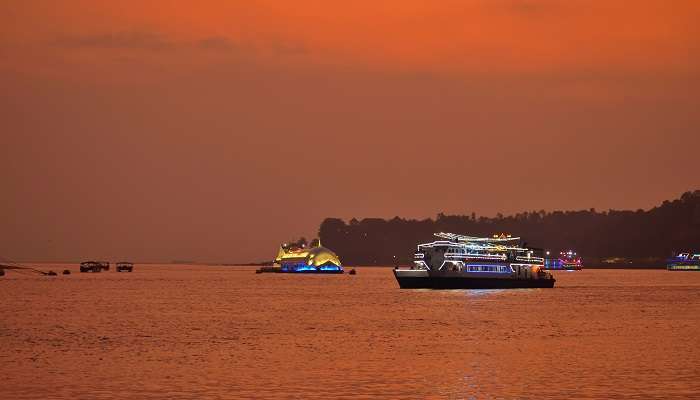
[[125, 266], [90, 266]]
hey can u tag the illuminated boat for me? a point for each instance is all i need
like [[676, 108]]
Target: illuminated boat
[[684, 262], [315, 259], [567, 260], [468, 262]]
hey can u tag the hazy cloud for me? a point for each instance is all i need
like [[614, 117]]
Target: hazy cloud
[[217, 43], [288, 48], [527, 8], [117, 40], [145, 40]]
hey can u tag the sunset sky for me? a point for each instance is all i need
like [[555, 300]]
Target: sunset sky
[[214, 130]]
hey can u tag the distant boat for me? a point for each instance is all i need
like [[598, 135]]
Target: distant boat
[[21, 268], [567, 260], [684, 262], [468, 262], [90, 266], [124, 267]]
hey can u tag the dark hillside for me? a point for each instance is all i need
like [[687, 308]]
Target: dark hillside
[[639, 236]]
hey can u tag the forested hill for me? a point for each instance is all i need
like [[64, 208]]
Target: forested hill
[[643, 236]]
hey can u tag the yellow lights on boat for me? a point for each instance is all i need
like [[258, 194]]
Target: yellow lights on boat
[[503, 235]]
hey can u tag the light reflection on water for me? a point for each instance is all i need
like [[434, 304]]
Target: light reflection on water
[[181, 332], [484, 292]]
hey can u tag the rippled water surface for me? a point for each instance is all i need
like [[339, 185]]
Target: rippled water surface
[[184, 332]]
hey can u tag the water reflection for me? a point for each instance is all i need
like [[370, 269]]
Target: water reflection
[[166, 332]]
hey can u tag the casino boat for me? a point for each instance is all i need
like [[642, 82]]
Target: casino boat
[[468, 262], [684, 262], [315, 259], [567, 260]]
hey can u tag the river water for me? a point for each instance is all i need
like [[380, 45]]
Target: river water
[[215, 332]]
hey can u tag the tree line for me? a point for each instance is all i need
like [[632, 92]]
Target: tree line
[[641, 236]]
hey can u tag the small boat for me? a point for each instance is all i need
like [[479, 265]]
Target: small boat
[[469, 262], [66, 272], [268, 268], [18, 267], [684, 262], [567, 260], [124, 266], [90, 266], [352, 272]]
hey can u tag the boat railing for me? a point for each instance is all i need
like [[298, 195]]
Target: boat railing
[[475, 255], [464, 238], [539, 260]]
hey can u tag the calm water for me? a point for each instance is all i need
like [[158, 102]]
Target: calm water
[[183, 332]]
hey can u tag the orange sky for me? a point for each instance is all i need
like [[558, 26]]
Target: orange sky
[[157, 130], [450, 37]]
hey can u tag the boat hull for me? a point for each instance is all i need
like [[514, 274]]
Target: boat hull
[[683, 267], [313, 272], [280, 270], [415, 281]]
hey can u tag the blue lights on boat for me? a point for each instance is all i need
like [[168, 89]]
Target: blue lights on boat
[[488, 268], [302, 267]]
